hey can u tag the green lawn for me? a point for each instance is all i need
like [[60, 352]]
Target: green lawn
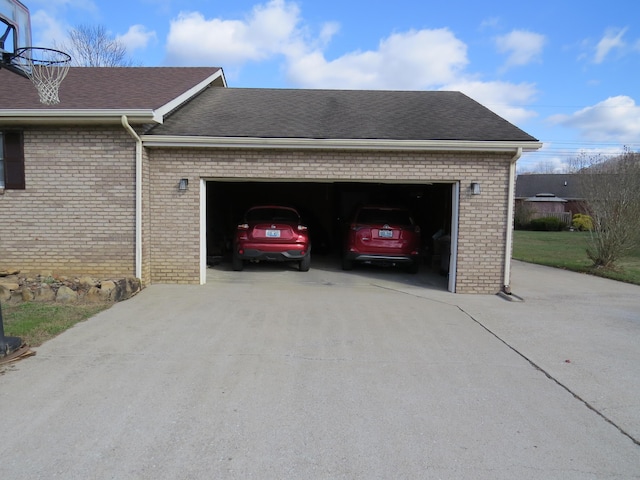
[[568, 250], [36, 322]]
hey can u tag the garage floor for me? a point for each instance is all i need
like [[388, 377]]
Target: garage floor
[[326, 268]]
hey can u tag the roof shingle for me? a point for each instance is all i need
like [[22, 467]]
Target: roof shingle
[[89, 88], [563, 185], [338, 114]]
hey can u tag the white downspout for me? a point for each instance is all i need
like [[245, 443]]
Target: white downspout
[[132, 132], [510, 208]]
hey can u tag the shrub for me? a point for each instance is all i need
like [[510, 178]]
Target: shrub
[[522, 216], [582, 222], [546, 224]]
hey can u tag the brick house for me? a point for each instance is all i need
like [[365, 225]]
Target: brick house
[[555, 192], [91, 186]]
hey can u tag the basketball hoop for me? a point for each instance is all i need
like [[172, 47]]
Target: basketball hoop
[[46, 68]]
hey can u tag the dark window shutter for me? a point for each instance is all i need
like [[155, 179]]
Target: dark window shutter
[[13, 161]]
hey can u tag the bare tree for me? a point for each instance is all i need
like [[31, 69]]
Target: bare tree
[[611, 189], [92, 46]]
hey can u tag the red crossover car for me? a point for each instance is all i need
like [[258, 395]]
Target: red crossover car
[[382, 235], [272, 233]]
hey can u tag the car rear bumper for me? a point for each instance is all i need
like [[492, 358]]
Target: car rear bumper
[[288, 253], [381, 258]]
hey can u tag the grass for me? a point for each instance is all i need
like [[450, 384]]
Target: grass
[[568, 250], [37, 322]]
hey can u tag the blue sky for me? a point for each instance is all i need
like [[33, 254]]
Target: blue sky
[[566, 72]]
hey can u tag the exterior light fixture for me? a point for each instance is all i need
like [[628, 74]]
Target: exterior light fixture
[[183, 184], [475, 188]]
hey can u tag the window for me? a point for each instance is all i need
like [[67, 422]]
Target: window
[[11, 160]]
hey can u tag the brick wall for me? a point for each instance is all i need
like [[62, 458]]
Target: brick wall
[[174, 216], [76, 215]]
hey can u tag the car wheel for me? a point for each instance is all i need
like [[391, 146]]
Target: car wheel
[[237, 263], [347, 264], [305, 263]]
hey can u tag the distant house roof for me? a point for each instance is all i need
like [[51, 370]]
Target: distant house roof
[[565, 186], [546, 198], [107, 89], [339, 114]]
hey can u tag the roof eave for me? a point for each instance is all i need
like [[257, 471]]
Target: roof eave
[[217, 77], [171, 141], [77, 117]]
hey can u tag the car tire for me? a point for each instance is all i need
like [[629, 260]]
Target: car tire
[[237, 263], [347, 264], [414, 267], [305, 263]]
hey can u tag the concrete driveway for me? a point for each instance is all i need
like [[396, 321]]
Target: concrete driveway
[[276, 374]]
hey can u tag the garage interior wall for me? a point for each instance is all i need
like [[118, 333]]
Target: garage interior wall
[[175, 215]]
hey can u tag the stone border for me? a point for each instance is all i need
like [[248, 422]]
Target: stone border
[[49, 288]]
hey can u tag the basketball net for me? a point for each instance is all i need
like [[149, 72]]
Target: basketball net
[[46, 68]]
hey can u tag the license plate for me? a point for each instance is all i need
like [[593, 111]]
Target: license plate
[[273, 233], [385, 233]]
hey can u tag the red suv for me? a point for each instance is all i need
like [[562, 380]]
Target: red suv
[[382, 235], [272, 233]]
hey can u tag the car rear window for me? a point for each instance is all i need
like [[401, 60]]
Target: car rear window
[[382, 216], [272, 215]]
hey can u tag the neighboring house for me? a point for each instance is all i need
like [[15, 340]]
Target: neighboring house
[[550, 193], [144, 171]]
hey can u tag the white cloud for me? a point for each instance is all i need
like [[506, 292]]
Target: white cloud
[[406, 60], [49, 30], [136, 38], [505, 99], [614, 119], [270, 29], [522, 47], [612, 39], [415, 59]]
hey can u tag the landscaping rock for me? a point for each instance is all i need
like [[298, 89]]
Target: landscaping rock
[[9, 271], [94, 295], [47, 287], [27, 294], [44, 293], [87, 282], [5, 293], [66, 295]]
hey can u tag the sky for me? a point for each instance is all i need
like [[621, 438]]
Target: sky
[[564, 71]]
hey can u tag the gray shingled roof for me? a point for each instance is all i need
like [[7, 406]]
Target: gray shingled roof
[[338, 114], [106, 88], [565, 186]]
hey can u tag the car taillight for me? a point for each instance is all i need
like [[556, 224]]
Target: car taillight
[[243, 226], [302, 228]]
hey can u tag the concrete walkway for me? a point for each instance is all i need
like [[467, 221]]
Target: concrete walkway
[[276, 374]]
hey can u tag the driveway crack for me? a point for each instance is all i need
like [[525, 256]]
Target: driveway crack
[[553, 379]]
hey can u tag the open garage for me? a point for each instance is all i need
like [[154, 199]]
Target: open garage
[[324, 152], [325, 208]]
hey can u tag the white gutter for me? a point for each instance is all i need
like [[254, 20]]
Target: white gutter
[[336, 144], [56, 116], [132, 132], [510, 209]]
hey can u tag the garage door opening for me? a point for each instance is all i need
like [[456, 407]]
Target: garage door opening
[[326, 208]]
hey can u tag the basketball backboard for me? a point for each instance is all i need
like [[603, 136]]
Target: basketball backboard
[[45, 67], [15, 32]]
